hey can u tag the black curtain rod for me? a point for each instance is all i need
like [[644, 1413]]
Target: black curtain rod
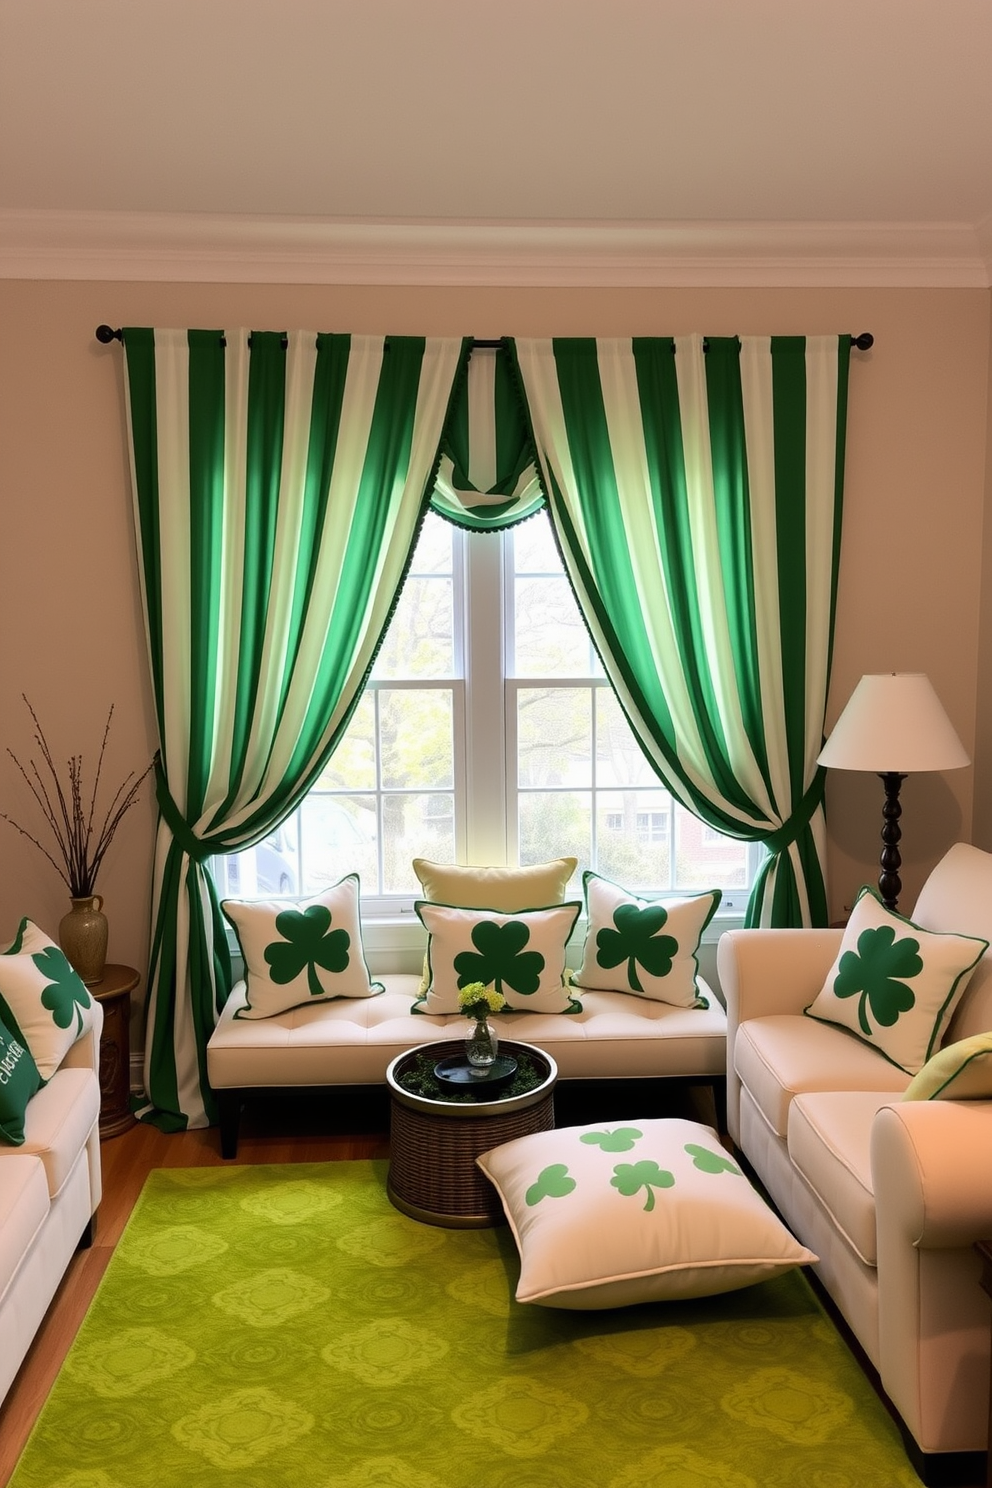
[[106, 334]]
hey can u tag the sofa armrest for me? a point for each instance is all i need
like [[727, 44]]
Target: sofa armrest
[[930, 1162], [930, 1165], [85, 1052], [763, 972]]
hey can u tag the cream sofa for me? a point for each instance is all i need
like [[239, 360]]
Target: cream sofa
[[49, 1192], [351, 1041], [891, 1195]]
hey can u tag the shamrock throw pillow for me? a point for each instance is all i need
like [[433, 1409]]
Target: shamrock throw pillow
[[645, 946], [643, 1211], [19, 1079], [521, 955], [42, 1000], [895, 985], [297, 954]]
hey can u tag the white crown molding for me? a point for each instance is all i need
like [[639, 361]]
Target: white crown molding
[[155, 246]]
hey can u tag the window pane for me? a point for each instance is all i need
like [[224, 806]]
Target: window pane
[[338, 835], [550, 638], [554, 736], [633, 837], [555, 824], [420, 639], [432, 554], [619, 759], [415, 738], [352, 765], [704, 858], [269, 870], [415, 826], [534, 547]]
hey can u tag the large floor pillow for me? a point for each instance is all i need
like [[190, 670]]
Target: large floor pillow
[[643, 1211]]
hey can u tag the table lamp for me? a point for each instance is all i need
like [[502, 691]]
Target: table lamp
[[894, 725]]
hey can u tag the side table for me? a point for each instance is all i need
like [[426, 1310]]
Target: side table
[[434, 1143], [113, 993]]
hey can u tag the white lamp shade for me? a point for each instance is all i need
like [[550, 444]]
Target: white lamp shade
[[894, 722]]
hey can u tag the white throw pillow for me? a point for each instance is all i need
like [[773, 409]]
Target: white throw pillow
[[648, 947], [643, 1211], [41, 998], [895, 985], [297, 954], [521, 954]]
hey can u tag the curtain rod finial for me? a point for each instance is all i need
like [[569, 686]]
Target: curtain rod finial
[[105, 334]]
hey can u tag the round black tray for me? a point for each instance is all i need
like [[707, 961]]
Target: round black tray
[[456, 1072]]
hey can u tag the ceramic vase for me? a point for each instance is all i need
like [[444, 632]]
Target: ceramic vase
[[83, 938], [482, 1046]]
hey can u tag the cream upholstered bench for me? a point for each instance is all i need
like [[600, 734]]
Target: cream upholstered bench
[[273, 1034], [351, 1041]]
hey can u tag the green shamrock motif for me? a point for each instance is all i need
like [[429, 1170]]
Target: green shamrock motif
[[630, 1178], [308, 942], [499, 957], [872, 974], [552, 1183], [65, 996], [636, 941], [621, 1140], [710, 1162]]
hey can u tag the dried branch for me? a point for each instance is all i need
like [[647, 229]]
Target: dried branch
[[68, 815]]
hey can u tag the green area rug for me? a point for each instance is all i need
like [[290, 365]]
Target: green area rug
[[285, 1327]]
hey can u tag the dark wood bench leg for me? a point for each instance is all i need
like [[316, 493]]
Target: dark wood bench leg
[[229, 1103], [720, 1102]]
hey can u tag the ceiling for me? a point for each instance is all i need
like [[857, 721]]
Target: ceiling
[[686, 129]]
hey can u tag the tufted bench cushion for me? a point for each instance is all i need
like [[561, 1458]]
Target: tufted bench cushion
[[351, 1041]]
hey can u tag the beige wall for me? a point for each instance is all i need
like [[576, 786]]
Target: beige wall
[[912, 560]]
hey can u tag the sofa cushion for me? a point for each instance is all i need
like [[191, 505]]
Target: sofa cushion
[[522, 953], [42, 1000], [24, 1205], [647, 947], [59, 1122], [351, 1041], [297, 954], [642, 1211], [19, 1080], [895, 985], [959, 1071], [784, 1055], [829, 1137]]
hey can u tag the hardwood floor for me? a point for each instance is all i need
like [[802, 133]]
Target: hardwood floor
[[289, 1136]]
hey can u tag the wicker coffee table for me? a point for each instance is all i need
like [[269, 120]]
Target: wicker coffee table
[[434, 1143]]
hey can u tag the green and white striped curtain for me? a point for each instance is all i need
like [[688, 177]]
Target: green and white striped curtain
[[696, 497], [278, 485]]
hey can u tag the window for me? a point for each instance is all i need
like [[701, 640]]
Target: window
[[489, 733]]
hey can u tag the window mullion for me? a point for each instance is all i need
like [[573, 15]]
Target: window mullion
[[485, 781]]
